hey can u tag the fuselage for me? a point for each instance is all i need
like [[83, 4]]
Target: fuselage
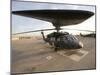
[[63, 40]]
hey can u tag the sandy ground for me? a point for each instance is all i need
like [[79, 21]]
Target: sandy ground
[[34, 55]]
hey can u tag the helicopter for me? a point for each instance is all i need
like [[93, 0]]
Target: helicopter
[[58, 18]]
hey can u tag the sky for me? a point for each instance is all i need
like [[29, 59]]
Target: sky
[[21, 24]]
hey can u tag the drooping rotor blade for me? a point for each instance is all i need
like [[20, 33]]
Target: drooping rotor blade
[[57, 17], [77, 29], [33, 31]]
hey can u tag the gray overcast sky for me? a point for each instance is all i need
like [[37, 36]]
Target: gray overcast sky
[[20, 24]]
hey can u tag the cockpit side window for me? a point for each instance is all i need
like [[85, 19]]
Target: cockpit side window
[[74, 37], [70, 37]]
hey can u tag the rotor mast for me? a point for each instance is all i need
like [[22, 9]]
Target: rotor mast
[[57, 26]]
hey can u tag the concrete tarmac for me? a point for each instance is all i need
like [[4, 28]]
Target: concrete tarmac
[[34, 55]]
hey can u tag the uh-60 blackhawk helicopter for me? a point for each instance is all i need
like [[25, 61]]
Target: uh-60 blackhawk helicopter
[[58, 18]]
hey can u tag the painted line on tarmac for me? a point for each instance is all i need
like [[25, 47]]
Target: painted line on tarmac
[[75, 55]]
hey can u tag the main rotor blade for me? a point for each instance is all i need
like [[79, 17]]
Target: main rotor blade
[[77, 29], [33, 31], [57, 17]]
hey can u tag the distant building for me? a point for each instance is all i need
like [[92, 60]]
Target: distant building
[[18, 37]]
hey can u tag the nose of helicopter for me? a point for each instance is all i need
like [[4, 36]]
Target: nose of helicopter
[[80, 45]]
